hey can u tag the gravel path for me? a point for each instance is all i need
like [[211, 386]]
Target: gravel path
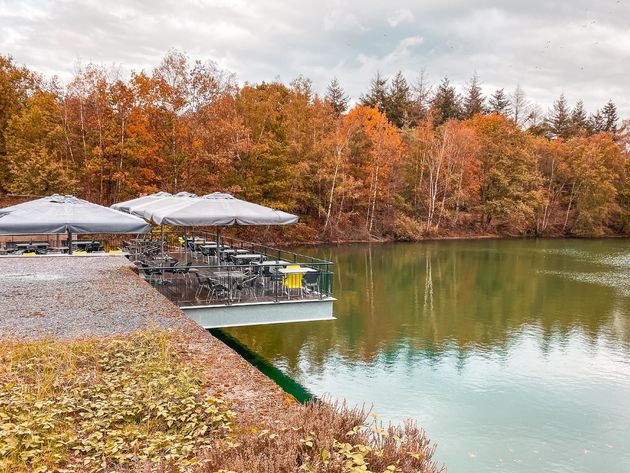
[[83, 297], [76, 297]]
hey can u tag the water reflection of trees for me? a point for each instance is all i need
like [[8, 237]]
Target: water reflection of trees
[[435, 296]]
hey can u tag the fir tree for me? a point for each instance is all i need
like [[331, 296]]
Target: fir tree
[[398, 103], [445, 104], [559, 119], [336, 97], [579, 120], [474, 99], [377, 95], [596, 122], [499, 103], [609, 114]]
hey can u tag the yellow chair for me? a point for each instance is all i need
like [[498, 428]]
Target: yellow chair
[[293, 280]]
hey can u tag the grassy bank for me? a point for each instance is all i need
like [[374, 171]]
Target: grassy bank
[[139, 403]]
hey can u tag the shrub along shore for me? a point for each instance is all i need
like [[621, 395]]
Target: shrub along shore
[[121, 396]]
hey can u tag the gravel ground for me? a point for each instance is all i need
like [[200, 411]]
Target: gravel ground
[[77, 297], [84, 297]]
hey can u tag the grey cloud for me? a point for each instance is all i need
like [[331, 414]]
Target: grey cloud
[[581, 48]]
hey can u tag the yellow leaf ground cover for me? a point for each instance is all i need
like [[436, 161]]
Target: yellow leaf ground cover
[[103, 404], [140, 403]]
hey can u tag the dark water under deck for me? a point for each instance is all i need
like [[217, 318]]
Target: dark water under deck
[[513, 355]]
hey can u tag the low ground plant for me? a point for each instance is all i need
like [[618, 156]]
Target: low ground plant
[[136, 404], [326, 437], [104, 405]]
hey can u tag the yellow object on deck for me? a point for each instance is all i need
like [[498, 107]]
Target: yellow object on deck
[[80, 252], [115, 251], [29, 254], [293, 280]]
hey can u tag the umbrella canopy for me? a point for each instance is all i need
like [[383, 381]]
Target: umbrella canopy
[[216, 209], [145, 199], [65, 213], [146, 209]]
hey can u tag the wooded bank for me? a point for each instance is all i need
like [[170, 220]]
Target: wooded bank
[[407, 162]]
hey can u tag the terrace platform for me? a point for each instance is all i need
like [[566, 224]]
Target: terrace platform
[[243, 284]]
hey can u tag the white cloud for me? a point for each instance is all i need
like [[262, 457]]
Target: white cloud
[[581, 48], [399, 16], [339, 20]]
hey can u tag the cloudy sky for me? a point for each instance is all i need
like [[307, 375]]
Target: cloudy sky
[[579, 47]]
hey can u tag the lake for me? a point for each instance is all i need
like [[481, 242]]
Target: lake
[[514, 355]]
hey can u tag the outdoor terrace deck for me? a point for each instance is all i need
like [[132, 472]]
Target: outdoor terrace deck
[[244, 284]]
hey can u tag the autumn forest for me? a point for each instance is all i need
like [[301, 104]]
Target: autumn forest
[[410, 160]]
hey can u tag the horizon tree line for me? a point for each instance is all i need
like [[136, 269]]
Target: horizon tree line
[[406, 161]]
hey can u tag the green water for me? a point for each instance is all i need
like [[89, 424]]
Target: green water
[[513, 355]]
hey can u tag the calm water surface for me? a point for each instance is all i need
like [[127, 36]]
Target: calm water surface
[[513, 355]]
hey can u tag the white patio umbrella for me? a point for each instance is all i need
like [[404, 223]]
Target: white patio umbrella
[[216, 209], [145, 199], [145, 209], [59, 214]]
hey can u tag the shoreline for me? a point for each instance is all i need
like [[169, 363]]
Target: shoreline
[[442, 238], [93, 308]]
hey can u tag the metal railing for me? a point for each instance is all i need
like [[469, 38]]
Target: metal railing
[[194, 284], [192, 272]]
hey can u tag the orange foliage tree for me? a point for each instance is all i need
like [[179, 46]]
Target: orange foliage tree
[[187, 125]]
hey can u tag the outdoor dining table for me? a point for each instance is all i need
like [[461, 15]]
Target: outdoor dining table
[[227, 275], [228, 278], [212, 246], [233, 251], [300, 270], [274, 263], [249, 258], [31, 246], [24, 245], [196, 244]]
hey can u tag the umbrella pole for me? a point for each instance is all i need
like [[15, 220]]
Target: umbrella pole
[[185, 248], [218, 245], [162, 239], [69, 240]]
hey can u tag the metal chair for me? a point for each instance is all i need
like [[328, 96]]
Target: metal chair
[[247, 287], [310, 282], [150, 273], [184, 271]]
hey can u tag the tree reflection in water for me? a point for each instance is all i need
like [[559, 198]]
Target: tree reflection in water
[[457, 295]]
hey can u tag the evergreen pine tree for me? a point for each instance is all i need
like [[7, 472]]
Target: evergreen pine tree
[[336, 97], [559, 119], [377, 95], [596, 122], [609, 114], [579, 121], [474, 101], [499, 103], [445, 104], [398, 103]]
